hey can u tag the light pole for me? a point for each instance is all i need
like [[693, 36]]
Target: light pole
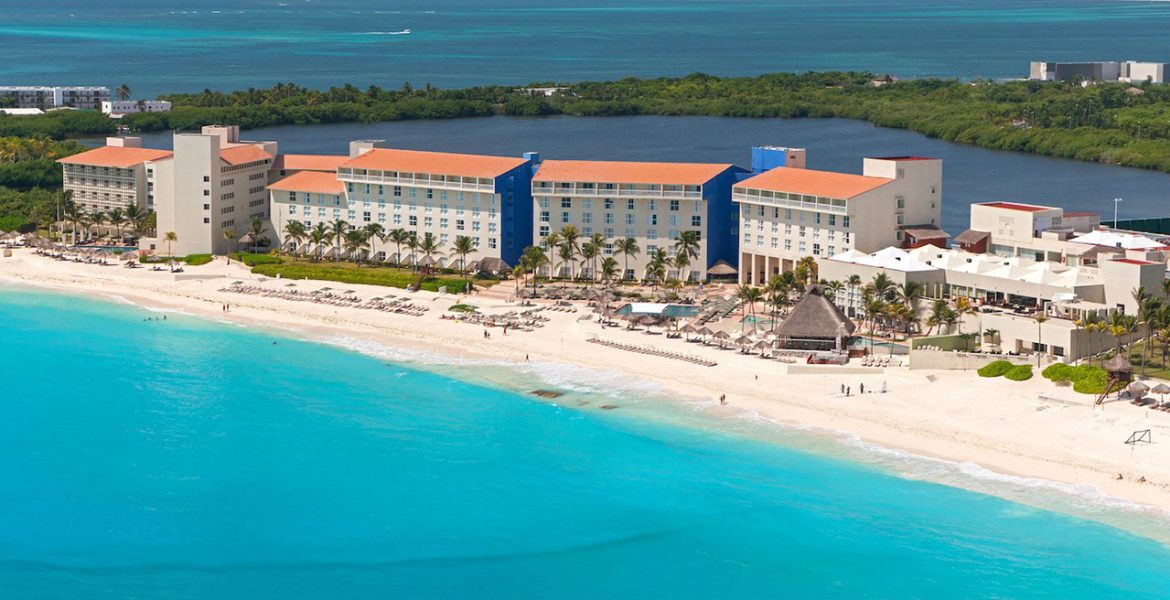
[[1116, 203]]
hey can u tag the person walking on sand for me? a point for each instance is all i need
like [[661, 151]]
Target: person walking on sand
[[863, 388], [723, 399]]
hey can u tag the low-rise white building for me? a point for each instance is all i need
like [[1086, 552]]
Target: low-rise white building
[[117, 108], [46, 97]]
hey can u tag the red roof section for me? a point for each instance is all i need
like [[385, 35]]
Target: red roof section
[[1017, 206], [1081, 213], [317, 182], [814, 183], [1131, 261], [629, 172], [439, 163], [244, 153], [119, 157], [308, 162]]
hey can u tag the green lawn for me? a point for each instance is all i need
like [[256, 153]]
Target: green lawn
[[347, 272], [1155, 367]]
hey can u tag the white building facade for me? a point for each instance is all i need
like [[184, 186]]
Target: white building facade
[[109, 177], [117, 108], [46, 97]]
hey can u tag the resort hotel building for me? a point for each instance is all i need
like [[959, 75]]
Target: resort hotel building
[[46, 97], [788, 212], [111, 176], [486, 198], [117, 108], [652, 203], [212, 183]]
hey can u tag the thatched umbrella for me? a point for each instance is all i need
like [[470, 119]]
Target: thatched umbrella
[[1138, 389], [744, 341], [704, 331], [722, 336], [763, 347], [427, 261], [1161, 389]]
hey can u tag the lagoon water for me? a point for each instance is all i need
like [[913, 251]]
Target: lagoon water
[[190, 459], [245, 43], [969, 174]]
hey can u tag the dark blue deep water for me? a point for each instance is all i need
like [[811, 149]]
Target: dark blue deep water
[[187, 45]]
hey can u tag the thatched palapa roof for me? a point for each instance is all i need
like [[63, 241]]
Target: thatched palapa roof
[[815, 317], [1118, 364]]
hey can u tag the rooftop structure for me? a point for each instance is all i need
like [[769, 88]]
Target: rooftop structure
[[111, 176]]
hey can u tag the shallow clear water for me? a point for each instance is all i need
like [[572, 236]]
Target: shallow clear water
[[187, 45], [188, 459]]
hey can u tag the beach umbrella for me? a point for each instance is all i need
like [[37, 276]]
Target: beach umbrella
[[704, 331], [1138, 388], [763, 347], [1161, 389], [722, 336], [744, 341]]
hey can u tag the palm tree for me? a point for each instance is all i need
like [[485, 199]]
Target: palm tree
[[117, 218], [833, 290], [749, 295], [627, 247], [597, 240], [533, 259], [399, 237], [256, 230], [73, 217], [86, 222], [356, 240], [1149, 308], [908, 291], [429, 245], [938, 315], [681, 261], [565, 253], [170, 237], [608, 269], [373, 231], [809, 265], [518, 273], [337, 231], [656, 269], [687, 243], [318, 236], [570, 235], [883, 287], [463, 246], [294, 231], [229, 234], [135, 217], [122, 92], [963, 307], [589, 253], [412, 245]]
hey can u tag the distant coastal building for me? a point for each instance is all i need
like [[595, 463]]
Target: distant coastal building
[[21, 112], [788, 212], [117, 108], [213, 182], [652, 203], [543, 91], [109, 177], [1123, 71], [46, 97], [486, 198]]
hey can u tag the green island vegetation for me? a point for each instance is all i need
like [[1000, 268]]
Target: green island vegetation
[[348, 272], [1085, 379], [1112, 123], [995, 368]]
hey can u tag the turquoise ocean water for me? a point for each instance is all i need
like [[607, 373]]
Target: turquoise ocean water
[[187, 45], [191, 459]]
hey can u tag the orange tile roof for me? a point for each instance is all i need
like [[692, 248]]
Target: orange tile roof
[[317, 182], [1017, 206], [439, 163], [115, 156], [628, 172], [308, 162], [813, 183], [244, 153]]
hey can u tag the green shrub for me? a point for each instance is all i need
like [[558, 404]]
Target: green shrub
[[1058, 372], [462, 308], [1019, 373], [995, 368], [1090, 379], [197, 259], [253, 260]]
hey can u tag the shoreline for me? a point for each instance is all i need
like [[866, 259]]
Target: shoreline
[[953, 418]]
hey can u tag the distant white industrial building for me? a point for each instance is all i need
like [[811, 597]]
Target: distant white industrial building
[[1124, 71]]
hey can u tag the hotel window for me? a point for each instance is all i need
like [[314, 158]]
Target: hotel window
[[413, 193], [367, 189], [459, 224], [630, 205], [430, 193], [802, 229], [565, 217], [609, 218], [351, 215], [803, 248], [544, 231], [816, 249], [802, 216], [475, 242], [566, 203], [427, 208], [653, 204], [475, 225], [674, 220], [651, 234], [674, 205], [817, 218], [492, 243], [901, 201], [337, 213], [898, 235], [607, 249], [443, 223], [651, 248], [587, 217], [760, 241], [587, 231], [845, 222], [397, 219], [901, 218], [397, 191], [442, 209], [630, 232], [630, 219], [608, 232], [443, 238], [832, 251], [442, 194], [788, 245], [652, 220], [544, 202], [491, 227], [366, 216], [775, 212], [775, 227], [696, 220], [775, 242], [413, 222], [608, 203], [320, 212], [760, 211], [747, 239], [381, 190], [759, 225], [845, 237], [587, 203], [788, 214]]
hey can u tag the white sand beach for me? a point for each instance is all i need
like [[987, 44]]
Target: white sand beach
[[1031, 429]]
